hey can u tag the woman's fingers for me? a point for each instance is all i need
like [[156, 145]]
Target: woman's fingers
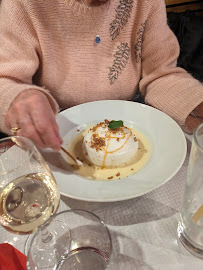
[[198, 111], [20, 113], [192, 122], [32, 112], [46, 126], [195, 119], [27, 129]]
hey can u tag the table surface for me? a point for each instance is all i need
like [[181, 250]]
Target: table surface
[[143, 229]]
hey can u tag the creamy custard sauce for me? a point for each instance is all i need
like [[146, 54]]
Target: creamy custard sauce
[[91, 171]]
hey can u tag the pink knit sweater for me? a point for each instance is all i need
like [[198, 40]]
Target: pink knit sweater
[[49, 45]]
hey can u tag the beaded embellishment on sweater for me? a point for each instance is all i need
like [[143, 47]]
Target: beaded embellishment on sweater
[[138, 45], [123, 12], [120, 61]]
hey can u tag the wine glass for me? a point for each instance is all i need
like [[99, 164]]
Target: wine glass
[[28, 190], [73, 239]]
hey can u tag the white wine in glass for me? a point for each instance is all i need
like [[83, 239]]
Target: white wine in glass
[[28, 191]]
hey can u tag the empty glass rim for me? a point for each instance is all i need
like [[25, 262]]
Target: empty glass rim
[[30, 239], [30, 154], [196, 136]]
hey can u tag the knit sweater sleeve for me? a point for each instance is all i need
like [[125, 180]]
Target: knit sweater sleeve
[[19, 56], [165, 86]]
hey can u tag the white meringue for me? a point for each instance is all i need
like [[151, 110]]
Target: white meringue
[[105, 147]]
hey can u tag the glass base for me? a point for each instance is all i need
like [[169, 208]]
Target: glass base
[[83, 258], [188, 244]]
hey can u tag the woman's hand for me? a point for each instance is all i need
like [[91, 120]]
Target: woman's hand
[[32, 113], [192, 121]]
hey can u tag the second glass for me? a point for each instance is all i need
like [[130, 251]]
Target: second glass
[[71, 240], [28, 190], [190, 227]]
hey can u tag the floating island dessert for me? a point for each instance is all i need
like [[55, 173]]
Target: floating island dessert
[[108, 150], [110, 144]]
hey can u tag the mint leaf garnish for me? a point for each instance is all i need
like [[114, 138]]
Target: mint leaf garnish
[[115, 124]]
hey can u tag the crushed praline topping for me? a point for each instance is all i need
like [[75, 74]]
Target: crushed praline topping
[[97, 143]]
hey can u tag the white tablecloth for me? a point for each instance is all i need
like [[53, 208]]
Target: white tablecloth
[[143, 230]]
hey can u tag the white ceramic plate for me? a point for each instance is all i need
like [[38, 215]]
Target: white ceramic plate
[[167, 142]]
